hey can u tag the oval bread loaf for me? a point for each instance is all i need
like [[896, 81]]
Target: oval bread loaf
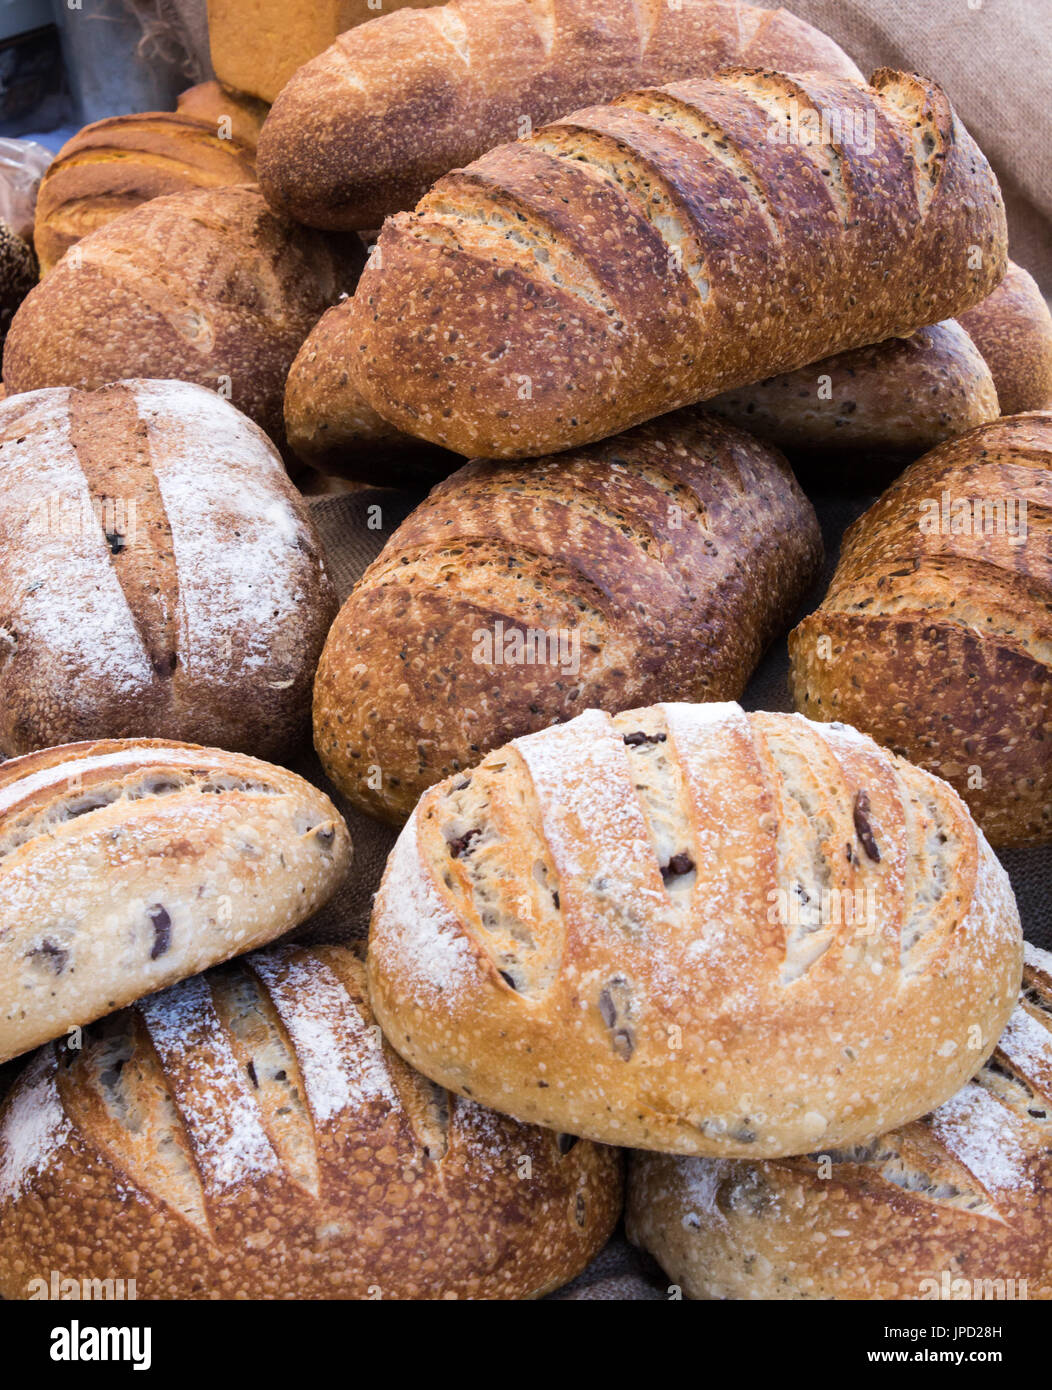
[[232, 114], [1012, 328], [248, 1134], [936, 633], [954, 1206], [367, 127], [691, 929], [128, 864], [656, 565], [679, 242], [159, 574], [208, 286]]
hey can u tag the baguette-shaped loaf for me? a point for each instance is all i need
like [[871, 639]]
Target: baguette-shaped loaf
[[160, 576], [679, 242], [691, 929], [1012, 328], [248, 1134], [115, 165], [366, 128], [954, 1206], [655, 565], [936, 634], [126, 865]]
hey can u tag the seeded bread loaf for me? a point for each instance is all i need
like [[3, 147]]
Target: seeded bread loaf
[[128, 864], [954, 1206], [641, 256], [18, 275], [690, 929], [367, 127], [656, 565], [248, 1134], [208, 286], [1012, 328], [115, 165], [159, 574], [936, 633]]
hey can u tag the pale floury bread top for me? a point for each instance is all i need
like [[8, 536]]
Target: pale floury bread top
[[692, 929]]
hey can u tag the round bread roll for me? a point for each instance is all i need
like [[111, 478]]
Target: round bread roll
[[112, 166], [208, 286], [18, 275], [691, 929], [954, 1206], [936, 633], [248, 1134], [159, 574], [128, 864], [1012, 328]]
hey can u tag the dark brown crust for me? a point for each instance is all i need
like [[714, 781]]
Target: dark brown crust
[[1012, 328], [643, 547], [938, 644]]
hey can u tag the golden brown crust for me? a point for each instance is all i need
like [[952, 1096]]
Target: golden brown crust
[[208, 286], [237, 114], [248, 1135], [634, 562], [954, 1206], [696, 930], [936, 633], [1012, 328]]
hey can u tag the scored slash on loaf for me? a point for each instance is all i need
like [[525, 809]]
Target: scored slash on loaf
[[691, 929]]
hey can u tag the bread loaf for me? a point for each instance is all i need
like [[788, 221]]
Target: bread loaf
[[18, 275], [128, 864], [936, 633], [519, 595], [248, 1134], [366, 128], [695, 930], [208, 286], [234, 115], [115, 165], [1012, 328], [640, 256], [954, 1206], [159, 574]]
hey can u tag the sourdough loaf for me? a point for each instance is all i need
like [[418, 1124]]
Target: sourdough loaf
[[677, 243], [159, 574], [366, 128], [690, 929], [232, 115], [128, 864], [114, 165], [1012, 328], [655, 565], [954, 1206], [936, 633], [248, 1134], [208, 286]]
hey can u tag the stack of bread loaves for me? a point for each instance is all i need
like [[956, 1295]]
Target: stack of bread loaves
[[629, 253]]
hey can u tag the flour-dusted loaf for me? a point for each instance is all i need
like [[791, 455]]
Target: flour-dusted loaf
[[160, 576], [114, 165], [364, 129], [249, 1134], [208, 286], [955, 1206], [679, 242], [655, 565], [128, 864], [936, 634], [1012, 328], [691, 929]]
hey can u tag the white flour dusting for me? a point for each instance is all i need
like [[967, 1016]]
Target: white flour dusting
[[35, 1127], [980, 1133]]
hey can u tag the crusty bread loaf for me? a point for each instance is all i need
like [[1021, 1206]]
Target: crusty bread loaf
[[248, 1134], [18, 275], [366, 128], [656, 565], [233, 115], [128, 864], [258, 44], [1012, 328], [879, 407], [936, 633], [954, 1206], [208, 286], [691, 929], [114, 165], [159, 574], [644, 255]]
